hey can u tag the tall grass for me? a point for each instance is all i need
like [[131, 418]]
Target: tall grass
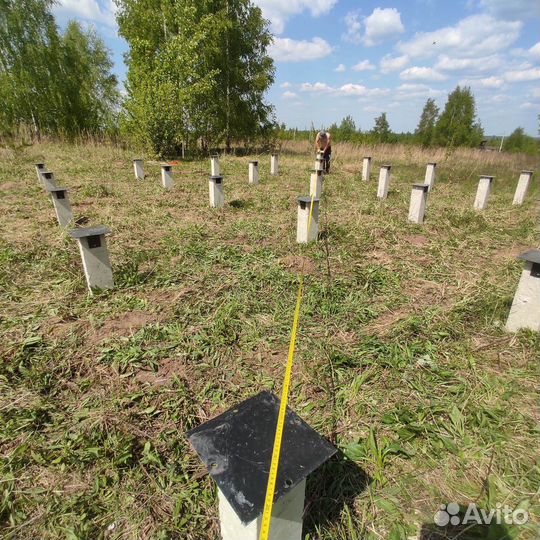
[[415, 155]]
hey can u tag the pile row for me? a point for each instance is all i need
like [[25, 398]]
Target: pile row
[[525, 312]]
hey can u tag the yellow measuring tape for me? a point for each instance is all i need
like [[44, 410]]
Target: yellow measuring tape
[[272, 476]]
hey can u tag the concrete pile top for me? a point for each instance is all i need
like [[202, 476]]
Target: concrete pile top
[[83, 232], [236, 448], [306, 199], [55, 189], [532, 255], [425, 187]]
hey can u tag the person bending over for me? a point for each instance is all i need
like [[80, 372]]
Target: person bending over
[[323, 143]]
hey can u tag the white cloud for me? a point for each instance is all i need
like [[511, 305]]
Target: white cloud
[[492, 82], [417, 73], [361, 91], [364, 65], [317, 87], [535, 50], [487, 82], [412, 91], [381, 25], [90, 10], [353, 27], [289, 95], [498, 98], [341, 68], [286, 85], [529, 105], [533, 53], [393, 63], [483, 63], [478, 35], [291, 50], [278, 12], [511, 9], [522, 75], [347, 90]]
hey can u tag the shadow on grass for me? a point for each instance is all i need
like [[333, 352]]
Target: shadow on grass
[[241, 203], [83, 220], [332, 487], [130, 274], [333, 231]]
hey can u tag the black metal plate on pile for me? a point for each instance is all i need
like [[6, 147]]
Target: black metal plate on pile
[[236, 448]]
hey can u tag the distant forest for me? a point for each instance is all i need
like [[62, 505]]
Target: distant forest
[[456, 125]]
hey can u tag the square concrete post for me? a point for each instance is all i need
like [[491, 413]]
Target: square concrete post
[[236, 448], [166, 176], [523, 186], [40, 167], [274, 164], [217, 197], [95, 256], [384, 182], [47, 178], [253, 172], [417, 206], [138, 169], [483, 192], [303, 234], [62, 207], [316, 183], [286, 518], [319, 161], [430, 175], [525, 310], [366, 168], [214, 165]]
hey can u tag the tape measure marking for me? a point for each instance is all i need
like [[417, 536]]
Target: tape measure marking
[[276, 452]]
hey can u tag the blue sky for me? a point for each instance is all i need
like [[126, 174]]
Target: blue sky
[[340, 57]]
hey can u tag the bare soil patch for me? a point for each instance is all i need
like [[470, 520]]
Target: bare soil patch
[[126, 324], [164, 375], [422, 294], [296, 263], [10, 186], [416, 240]]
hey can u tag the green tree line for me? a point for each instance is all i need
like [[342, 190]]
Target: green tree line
[[53, 83], [456, 125]]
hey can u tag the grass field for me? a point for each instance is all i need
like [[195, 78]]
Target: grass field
[[402, 359]]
